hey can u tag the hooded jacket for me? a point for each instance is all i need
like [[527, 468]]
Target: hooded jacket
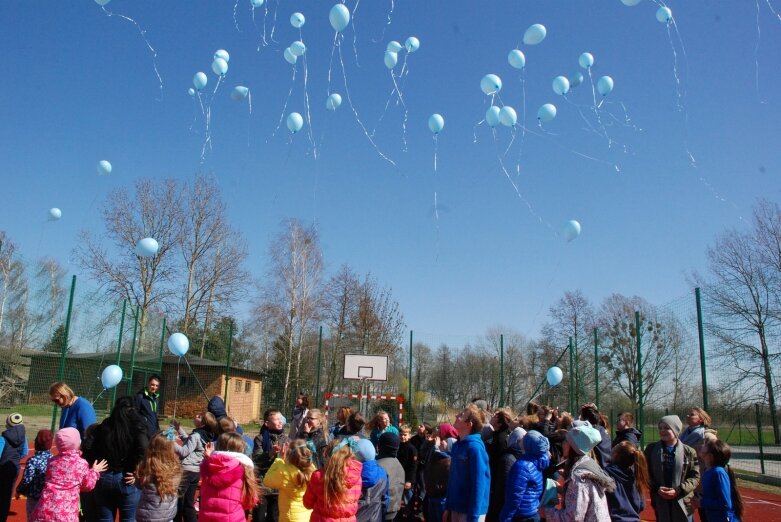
[[216, 407], [222, 480], [263, 454], [524, 481], [435, 474], [373, 503], [585, 496], [146, 403], [626, 502], [315, 500], [469, 480], [603, 450], [630, 434], [152, 508], [66, 475], [395, 472], [191, 450], [686, 477], [15, 446]]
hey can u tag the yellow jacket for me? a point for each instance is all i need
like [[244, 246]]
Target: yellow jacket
[[282, 476]]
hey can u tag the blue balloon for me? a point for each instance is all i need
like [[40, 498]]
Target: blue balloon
[[147, 247], [436, 123], [516, 59], [491, 84], [102, 2], [586, 60], [256, 3], [534, 34], [560, 85], [220, 66], [571, 230], [178, 344], [391, 59], [200, 80], [664, 15], [492, 116], [554, 375], [546, 112], [412, 44], [339, 17], [290, 57], [297, 20], [54, 214], [508, 116], [333, 102], [605, 85], [297, 48], [104, 168], [191, 91], [575, 79], [239, 93], [222, 53], [295, 122], [111, 376], [394, 46], [630, 3]]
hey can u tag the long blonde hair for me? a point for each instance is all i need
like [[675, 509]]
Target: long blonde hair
[[334, 478], [232, 441], [161, 466], [300, 456]]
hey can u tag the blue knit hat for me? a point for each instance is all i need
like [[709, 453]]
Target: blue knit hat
[[582, 437]]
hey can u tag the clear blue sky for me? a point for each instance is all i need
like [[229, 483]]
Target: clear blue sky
[[79, 87]]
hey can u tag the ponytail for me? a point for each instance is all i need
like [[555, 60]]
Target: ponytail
[[737, 500], [626, 455]]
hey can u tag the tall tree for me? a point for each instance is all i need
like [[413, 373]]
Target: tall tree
[[291, 299], [13, 281], [743, 309], [378, 321], [341, 305]]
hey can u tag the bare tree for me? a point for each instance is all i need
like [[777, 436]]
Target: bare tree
[[660, 340], [50, 296], [378, 321], [742, 305], [154, 211], [341, 305], [12, 277], [291, 300]]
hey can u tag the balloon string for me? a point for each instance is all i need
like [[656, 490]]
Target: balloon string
[[390, 97], [98, 397], [194, 377], [355, 112], [331, 62], [548, 135], [262, 42], [287, 100], [679, 89], [389, 17], [274, 22], [176, 391], [310, 132], [404, 122], [142, 32], [355, 33], [756, 54], [235, 19], [523, 124], [249, 117]]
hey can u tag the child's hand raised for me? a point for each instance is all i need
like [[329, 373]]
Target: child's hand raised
[[208, 450], [283, 451], [100, 466]]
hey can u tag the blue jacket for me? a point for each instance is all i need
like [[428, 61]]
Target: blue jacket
[[525, 481], [716, 497], [373, 503], [80, 415], [625, 503], [14, 445], [469, 481]]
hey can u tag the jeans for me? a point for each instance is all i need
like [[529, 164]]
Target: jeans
[[435, 508], [267, 510], [112, 495], [185, 506]]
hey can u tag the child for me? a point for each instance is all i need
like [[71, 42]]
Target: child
[[228, 485], [290, 474], [191, 453], [630, 472], [35, 471], [524, 484], [13, 446], [720, 498], [373, 503], [158, 476], [67, 474], [334, 491], [408, 457]]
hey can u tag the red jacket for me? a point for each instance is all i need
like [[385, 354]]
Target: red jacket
[[222, 479], [314, 499]]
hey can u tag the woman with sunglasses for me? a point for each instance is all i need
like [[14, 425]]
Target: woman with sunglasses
[[312, 432], [77, 412]]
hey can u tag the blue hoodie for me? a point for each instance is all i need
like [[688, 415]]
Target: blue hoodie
[[373, 503], [469, 481], [525, 481], [625, 503]]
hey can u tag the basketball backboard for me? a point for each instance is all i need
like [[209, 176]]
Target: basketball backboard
[[365, 367]]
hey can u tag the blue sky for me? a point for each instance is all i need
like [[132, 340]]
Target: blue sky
[[79, 86]]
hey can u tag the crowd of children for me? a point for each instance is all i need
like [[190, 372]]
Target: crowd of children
[[544, 464]]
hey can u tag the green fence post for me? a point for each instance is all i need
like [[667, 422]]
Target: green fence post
[[759, 439], [228, 362], [162, 344], [133, 353], [571, 377], [409, 386], [319, 359], [119, 346], [501, 370], [640, 416], [64, 349], [703, 370], [596, 370]]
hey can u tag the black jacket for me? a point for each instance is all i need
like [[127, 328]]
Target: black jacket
[[147, 404]]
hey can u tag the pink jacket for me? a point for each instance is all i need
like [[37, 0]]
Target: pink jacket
[[222, 478], [66, 476], [314, 499]]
